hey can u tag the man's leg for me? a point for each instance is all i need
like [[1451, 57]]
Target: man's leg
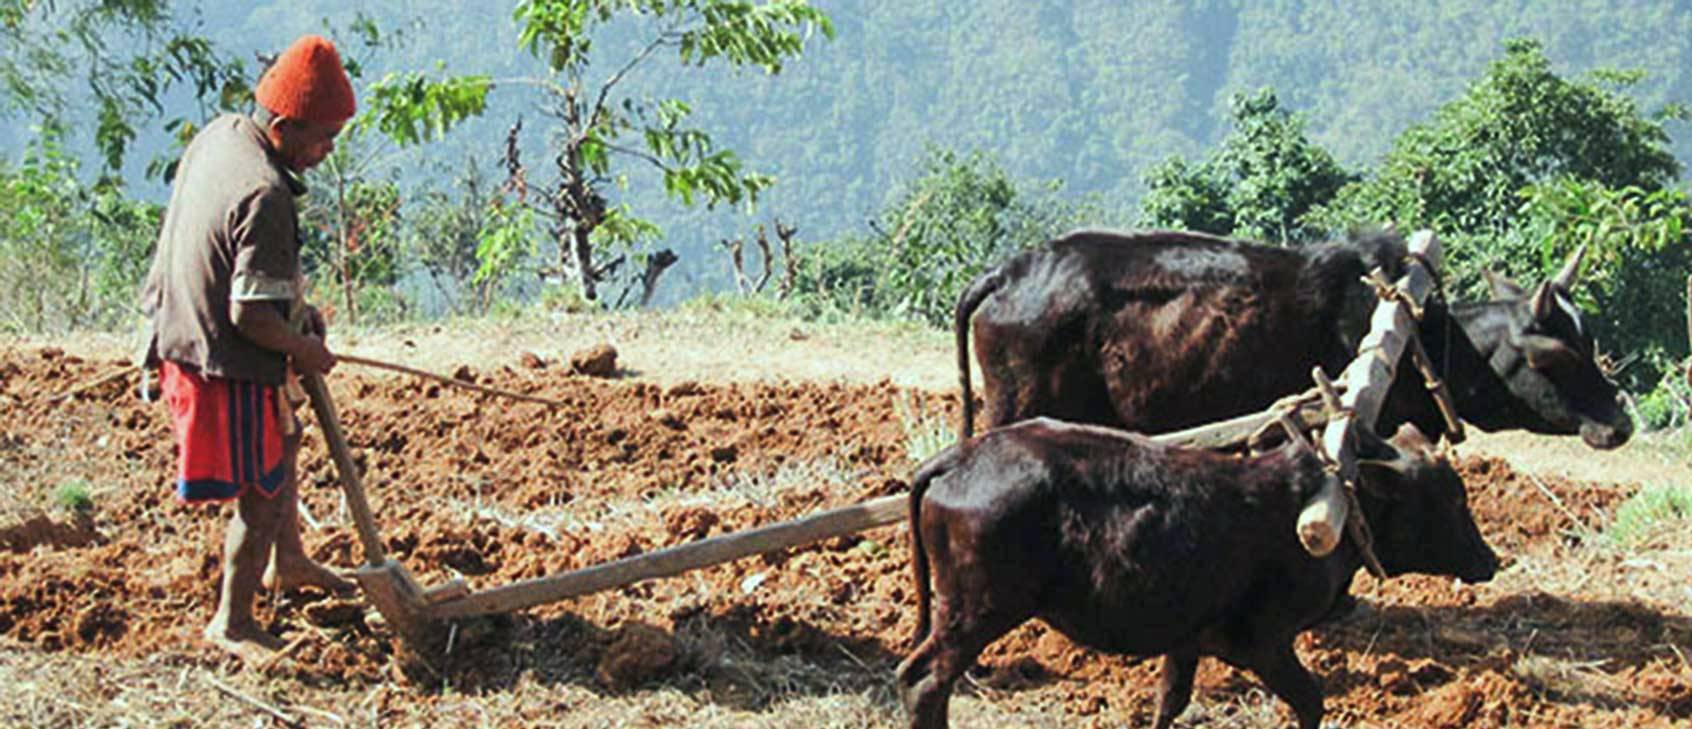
[[246, 543], [290, 568]]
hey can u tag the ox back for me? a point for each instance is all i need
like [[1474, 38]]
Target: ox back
[[1131, 547], [1160, 331]]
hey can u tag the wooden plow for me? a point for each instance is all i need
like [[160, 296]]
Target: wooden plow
[[416, 612]]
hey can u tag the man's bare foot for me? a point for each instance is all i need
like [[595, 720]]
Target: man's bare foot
[[289, 575], [249, 643]]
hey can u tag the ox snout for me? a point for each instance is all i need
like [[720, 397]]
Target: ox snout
[[1482, 567], [1606, 436]]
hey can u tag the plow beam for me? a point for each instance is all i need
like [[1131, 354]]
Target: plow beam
[[677, 559]]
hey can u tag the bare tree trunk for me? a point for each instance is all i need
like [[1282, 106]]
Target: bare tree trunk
[[789, 274], [581, 251], [655, 267]]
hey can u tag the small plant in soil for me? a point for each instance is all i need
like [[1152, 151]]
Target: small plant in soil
[[1649, 512], [74, 496]]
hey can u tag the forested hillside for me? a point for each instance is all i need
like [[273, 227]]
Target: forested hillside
[[1088, 92]]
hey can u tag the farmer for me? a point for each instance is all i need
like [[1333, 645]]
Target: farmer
[[228, 322]]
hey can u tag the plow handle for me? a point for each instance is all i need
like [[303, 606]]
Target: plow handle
[[318, 393]]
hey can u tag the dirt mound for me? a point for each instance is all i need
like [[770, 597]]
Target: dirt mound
[[495, 492], [39, 529], [599, 360]]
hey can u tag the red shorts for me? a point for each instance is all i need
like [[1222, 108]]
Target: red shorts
[[228, 435]]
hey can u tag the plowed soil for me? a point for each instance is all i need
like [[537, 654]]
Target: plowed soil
[[493, 491]]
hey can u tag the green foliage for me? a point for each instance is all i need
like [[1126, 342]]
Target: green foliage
[[1260, 184], [71, 255], [57, 58], [1638, 253], [74, 496], [1462, 172], [1526, 166], [1652, 511], [411, 109], [960, 216], [1668, 406], [505, 245]]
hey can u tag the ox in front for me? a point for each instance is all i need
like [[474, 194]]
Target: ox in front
[[1130, 547]]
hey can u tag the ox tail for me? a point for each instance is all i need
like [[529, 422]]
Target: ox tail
[[978, 291], [925, 474]]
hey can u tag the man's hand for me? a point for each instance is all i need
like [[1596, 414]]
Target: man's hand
[[311, 356]]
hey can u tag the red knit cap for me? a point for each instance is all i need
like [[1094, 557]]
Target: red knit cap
[[307, 82]]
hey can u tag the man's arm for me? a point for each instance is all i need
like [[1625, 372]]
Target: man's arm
[[259, 321]]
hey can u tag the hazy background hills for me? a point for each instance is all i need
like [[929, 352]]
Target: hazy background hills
[[1088, 92]]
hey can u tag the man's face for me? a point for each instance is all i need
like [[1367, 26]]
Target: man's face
[[302, 145]]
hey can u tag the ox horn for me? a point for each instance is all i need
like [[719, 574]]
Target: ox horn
[[1566, 277]]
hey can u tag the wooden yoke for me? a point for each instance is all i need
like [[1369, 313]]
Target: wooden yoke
[[1367, 379]]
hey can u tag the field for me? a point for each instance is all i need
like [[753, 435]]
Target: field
[[720, 421]]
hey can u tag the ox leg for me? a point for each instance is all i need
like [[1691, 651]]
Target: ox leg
[[1287, 678], [916, 671], [1175, 685], [927, 677]]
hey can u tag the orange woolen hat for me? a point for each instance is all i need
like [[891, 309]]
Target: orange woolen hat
[[307, 82]]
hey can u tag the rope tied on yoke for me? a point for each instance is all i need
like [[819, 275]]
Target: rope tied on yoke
[[1355, 524]]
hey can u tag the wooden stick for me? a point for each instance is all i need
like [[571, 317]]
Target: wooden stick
[[728, 547], [1233, 431], [91, 384], [1322, 522], [379, 364], [351, 484], [250, 701], [1440, 392], [677, 559]]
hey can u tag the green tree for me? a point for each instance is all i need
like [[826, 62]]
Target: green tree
[[118, 58], [1261, 183], [597, 127], [1520, 124], [70, 254], [959, 217]]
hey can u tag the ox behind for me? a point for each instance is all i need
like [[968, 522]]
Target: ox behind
[[1158, 331], [1130, 547]]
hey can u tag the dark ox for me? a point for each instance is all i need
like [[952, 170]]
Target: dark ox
[[1130, 547], [1160, 331]]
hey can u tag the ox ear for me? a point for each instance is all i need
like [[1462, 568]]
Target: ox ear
[[1382, 477], [1385, 464], [1546, 353], [1502, 288]]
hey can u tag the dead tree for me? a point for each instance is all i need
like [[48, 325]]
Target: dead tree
[[745, 283], [789, 273], [736, 247], [656, 265]]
